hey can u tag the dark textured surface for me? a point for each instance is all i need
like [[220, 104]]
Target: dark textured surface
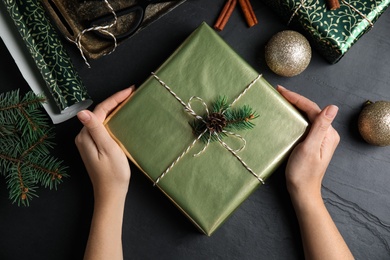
[[356, 187]]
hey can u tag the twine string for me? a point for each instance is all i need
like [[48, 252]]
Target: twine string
[[205, 147], [100, 28], [242, 139], [239, 159], [189, 110], [243, 92], [242, 147], [179, 158], [194, 98]]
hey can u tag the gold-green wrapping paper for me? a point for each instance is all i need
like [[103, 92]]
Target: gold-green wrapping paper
[[153, 129]]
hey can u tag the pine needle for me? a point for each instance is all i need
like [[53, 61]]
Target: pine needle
[[233, 119], [25, 144]]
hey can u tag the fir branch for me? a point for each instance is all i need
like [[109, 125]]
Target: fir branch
[[12, 107], [51, 175], [220, 104], [223, 119], [25, 158], [240, 119], [23, 188], [11, 100], [33, 146]]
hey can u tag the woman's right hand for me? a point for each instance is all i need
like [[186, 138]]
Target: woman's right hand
[[309, 160], [304, 173]]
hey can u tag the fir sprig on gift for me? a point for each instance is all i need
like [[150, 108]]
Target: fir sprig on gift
[[223, 119], [25, 142]]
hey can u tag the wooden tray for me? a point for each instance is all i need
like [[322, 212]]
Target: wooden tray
[[73, 16]]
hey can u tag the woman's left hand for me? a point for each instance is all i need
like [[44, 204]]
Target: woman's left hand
[[105, 161]]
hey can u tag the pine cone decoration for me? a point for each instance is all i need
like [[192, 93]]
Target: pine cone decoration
[[216, 122], [222, 118]]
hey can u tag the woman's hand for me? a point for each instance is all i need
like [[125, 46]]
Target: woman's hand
[[304, 173], [106, 163], [109, 170], [309, 160]]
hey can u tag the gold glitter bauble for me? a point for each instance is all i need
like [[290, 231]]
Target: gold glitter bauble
[[374, 123], [288, 53]]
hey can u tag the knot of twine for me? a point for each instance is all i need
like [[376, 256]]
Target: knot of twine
[[211, 132], [101, 29], [302, 4]]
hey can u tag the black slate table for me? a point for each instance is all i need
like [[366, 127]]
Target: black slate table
[[356, 188]]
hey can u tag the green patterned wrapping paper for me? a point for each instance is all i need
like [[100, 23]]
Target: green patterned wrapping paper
[[49, 54], [153, 128], [332, 32]]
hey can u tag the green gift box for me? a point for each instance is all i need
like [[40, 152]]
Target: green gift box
[[331, 32], [154, 128]]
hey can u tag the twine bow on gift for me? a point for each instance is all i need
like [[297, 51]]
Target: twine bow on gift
[[214, 128]]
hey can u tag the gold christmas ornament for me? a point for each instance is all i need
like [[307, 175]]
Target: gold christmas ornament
[[288, 53], [374, 123]]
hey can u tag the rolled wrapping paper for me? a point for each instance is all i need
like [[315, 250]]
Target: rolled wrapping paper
[[64, 89]]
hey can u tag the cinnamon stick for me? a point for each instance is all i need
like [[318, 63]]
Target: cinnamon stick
[[333, 4], [249, 14], [225, 15]]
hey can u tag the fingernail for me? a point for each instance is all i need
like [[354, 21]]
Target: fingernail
[[83, 116], [331, 111], [281, 87]]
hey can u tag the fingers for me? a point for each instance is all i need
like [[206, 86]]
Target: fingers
[[100, 137], [84, 141], [103, 109], [306, 105], [94, 134], [322, 135]]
